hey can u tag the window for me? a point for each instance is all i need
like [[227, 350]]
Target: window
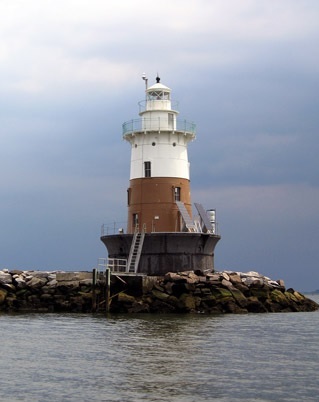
[[135, 220], [155, 95], [128, 196], [177, 193], [170, 120], [158, 95], [147, 169]]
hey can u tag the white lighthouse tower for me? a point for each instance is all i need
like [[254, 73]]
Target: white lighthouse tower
[[159, 164], [161, 233]]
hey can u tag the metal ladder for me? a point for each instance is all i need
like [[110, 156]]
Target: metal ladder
[[135, 252], [204, 218], [190, 225]]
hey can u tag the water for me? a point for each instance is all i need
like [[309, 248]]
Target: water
[[184, 358]]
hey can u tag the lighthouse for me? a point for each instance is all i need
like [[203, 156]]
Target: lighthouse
[[159, 174], [161, 234]]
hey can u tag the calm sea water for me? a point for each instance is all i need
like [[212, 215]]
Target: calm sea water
[[184, 358]]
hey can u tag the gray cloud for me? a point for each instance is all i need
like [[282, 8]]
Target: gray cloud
[[246, 73]]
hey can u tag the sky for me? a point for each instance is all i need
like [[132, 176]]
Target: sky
[[246, 72]]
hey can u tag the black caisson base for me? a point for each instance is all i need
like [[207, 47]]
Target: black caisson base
[[166, 252]]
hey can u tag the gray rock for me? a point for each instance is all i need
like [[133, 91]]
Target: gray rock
[[273, 284], [160, 295], [19, 282], [36, 282], [125, 298], [73, 276], [40, 274], [5, 277], [187, 302], [86, 282], [233, 308], [169, 287], [225, 276], [249, 274], [3, 295], [255, 306], [174, 277], [9, 286], [213, 277], [69, 284], [281, 283], [28, 277], [51, 277], [253, 281], [239, 297], [16, 272], [46, 297], [235, 278], [52, 283], [227, 284]]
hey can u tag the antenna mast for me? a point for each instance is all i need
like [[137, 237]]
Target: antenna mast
[[145, 79]]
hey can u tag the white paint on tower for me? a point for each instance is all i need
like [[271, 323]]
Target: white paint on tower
[[158, 139]]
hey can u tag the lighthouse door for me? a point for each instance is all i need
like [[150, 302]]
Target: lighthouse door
[[135, 222]]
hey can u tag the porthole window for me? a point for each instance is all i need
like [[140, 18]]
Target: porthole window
[[174, 144], [153, 143]]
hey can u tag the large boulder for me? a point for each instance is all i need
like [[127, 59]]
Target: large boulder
[[174, 277], [5, 278], [222, 295], [19, 282], [160, 295], [262, 293], [278, 297], [241, 300], [233, 308], [3, 295], [255, 306], [187, 302], [36, 283], [125, 298]]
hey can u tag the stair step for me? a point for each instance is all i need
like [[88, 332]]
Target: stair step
[[135, 252], [187, 219]]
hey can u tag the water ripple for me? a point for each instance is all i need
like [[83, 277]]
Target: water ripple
[[184, 358]]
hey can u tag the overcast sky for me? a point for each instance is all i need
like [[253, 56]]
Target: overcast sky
[[246, 72]]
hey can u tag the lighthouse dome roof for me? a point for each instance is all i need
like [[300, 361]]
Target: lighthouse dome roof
[[158, 86]]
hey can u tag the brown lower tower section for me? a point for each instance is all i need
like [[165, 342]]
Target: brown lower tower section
[[152, 204]]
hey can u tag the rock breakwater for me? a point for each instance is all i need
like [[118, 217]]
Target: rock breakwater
[[214, 293], [46, 291], [184, 292]]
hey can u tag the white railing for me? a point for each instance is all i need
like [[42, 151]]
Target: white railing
[[117, 264], [141, 125], [113, 228]]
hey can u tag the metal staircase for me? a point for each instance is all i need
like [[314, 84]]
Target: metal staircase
[[190, 225], [207, 225], [135, 252]]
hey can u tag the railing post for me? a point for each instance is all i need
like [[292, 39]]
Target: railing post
[[94, 290], [108, 289]]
